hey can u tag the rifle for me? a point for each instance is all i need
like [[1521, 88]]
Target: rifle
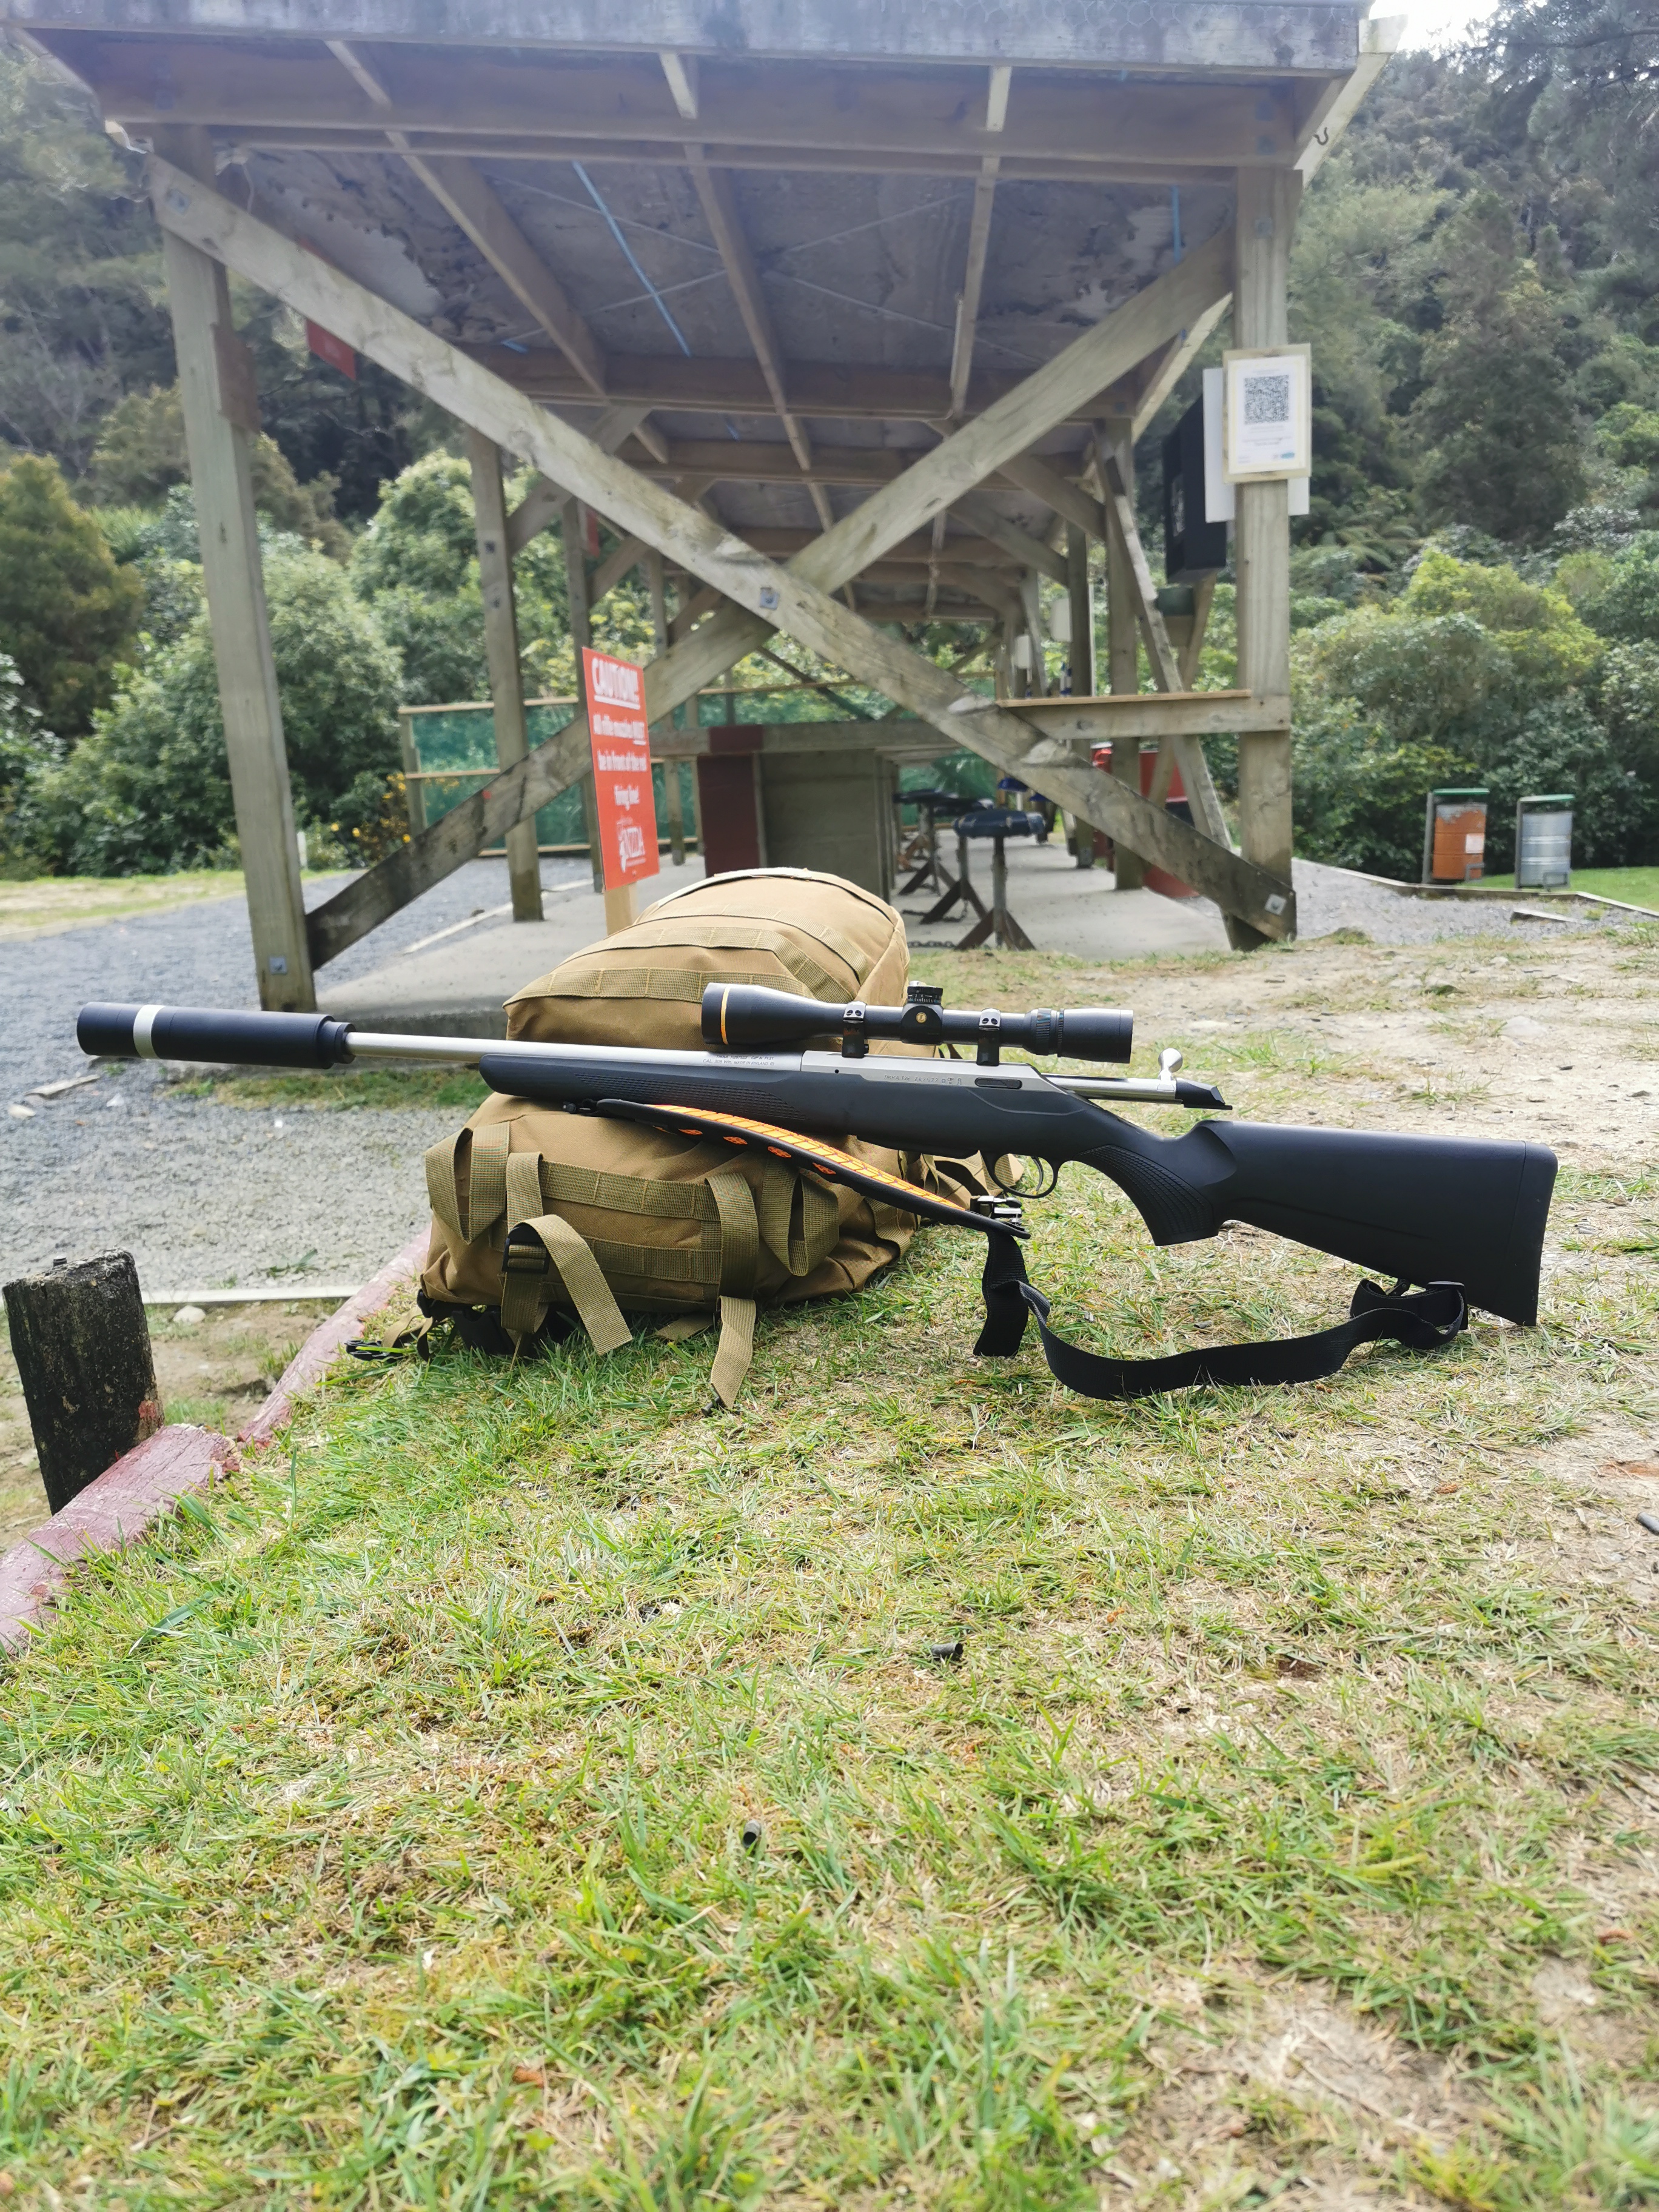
[[1464, 1219]]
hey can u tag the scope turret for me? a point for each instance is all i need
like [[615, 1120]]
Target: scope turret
[[748, 1015]]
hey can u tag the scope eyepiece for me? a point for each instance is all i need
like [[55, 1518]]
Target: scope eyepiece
[[748, 1015]]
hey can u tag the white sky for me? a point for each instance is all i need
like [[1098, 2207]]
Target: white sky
[[1433, 23]]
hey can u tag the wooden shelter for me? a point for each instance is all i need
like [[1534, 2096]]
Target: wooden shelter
[[840, 313]]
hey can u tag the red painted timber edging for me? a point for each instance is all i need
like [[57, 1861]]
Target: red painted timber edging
[[144, 1484]]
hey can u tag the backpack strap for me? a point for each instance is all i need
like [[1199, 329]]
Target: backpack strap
[[1422, 1321], [538, 1242], [787, 1198], [466, 1179], [740, 1264]]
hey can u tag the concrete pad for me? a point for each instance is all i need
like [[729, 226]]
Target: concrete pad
[[1065, 908], [455, 985]]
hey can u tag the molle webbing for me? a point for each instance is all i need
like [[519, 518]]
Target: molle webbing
[[475, 1179], [619, 979]]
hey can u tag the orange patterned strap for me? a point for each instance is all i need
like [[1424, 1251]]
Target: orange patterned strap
[[825, 1160]]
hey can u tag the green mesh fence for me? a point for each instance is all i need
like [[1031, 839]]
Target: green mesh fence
[[460, 741]]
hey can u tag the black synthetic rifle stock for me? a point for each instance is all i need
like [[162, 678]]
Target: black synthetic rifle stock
[[1423, 1210]]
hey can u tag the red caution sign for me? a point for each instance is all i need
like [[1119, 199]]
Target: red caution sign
[[621, 767]]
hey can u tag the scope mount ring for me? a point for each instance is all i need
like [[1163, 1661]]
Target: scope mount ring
[[1017, 1189]]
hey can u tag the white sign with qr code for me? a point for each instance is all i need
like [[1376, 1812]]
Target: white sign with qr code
[[1266, 421]]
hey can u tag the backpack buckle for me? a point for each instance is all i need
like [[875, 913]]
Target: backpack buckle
[[1006, 1212]]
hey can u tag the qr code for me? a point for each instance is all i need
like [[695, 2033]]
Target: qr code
[[1267, 398]]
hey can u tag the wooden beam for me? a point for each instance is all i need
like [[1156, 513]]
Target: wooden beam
[[1080, 655], [1192, 653], [796, 599], [1121, 515], [699, 605], [867, 391], [1012, 424], [540, 505], [1284, 40], [233, 572], [1319, 129], [1073, 722], [1099, 170], [973, 284], [1180, 747], [719, 209], [615, 566], [472, 93], [1068, 500], [524, 867], [683, 72], [1177, 360], [472, 203], [1266, 221], [982, 515]]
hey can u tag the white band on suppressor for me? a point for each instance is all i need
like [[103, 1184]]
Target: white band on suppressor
[[142, 1022]]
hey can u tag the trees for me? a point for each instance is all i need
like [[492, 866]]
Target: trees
[[68, 615], [150, 788], [1501, 447], [139, 457]]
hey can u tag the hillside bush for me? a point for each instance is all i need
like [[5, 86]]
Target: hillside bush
[[150, 788], [68, 615]]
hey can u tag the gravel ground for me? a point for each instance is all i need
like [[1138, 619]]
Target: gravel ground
[[1330, 899], [207, 1196], [204, 1196]]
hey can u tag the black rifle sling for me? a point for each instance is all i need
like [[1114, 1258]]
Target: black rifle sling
[[1422, 1321]]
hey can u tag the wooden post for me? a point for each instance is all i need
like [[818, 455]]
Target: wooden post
[[82, 1345], [524, 867], [1030, 600], [581, 633], [1122, 639], [414, 794], [215, 387], [1083, 611], [671, 772], [1267, 201]]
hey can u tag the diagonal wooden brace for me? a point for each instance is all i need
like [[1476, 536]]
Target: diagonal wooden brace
[[796, 599]]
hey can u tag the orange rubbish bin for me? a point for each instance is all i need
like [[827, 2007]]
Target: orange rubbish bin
[[1454, 837]]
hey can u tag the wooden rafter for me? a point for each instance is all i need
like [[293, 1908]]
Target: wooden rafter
[[721, 212], [711, 385], [979, 242], [476, 97]]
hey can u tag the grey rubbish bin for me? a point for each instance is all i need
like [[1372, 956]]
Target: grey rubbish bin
[[1543, 843]]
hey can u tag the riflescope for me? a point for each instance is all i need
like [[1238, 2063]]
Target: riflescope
[[738, 1015]]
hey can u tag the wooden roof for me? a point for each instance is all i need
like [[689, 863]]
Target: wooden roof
[[801, 235]]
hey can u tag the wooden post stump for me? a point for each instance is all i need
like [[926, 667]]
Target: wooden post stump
[[82, 1345]]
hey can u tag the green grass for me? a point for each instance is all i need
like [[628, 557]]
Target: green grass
[[529, 1789], [1634, 886]]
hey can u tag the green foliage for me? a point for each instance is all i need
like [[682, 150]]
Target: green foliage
[[1621, 595], [1473, 675], [150, 788], [140, 457], [27, 748], [1495, 415], [68, 615], [84, 317], [1360, 796]]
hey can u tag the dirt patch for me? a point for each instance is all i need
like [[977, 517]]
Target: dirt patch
[[215, 1373], [1287, 2087]]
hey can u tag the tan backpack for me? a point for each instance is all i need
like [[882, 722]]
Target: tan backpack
[[786, 927], [540, 1214]]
